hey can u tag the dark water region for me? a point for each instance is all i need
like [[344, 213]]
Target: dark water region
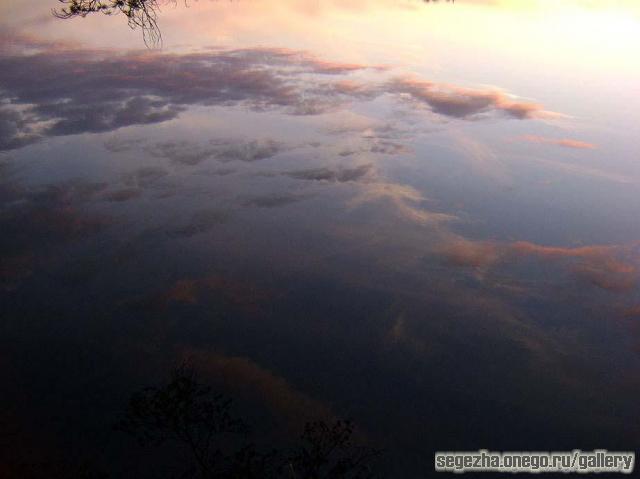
[[421, 218]]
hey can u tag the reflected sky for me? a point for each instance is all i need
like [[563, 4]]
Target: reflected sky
[[421, 216]]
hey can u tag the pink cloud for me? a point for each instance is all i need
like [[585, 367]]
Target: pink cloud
[[459, 102], [609, 267], [564, 142]]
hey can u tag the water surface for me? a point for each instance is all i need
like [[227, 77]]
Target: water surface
[[420, 216]]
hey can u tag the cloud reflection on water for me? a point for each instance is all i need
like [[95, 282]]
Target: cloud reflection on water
[[325, 237]]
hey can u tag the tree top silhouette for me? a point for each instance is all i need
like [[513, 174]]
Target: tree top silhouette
[[187, 413]]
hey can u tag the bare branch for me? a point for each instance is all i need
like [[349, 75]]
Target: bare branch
[[141, 14]]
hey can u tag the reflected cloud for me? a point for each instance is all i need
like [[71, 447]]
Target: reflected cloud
[[199, 223], [290, 242], [245, 296], [482, 159], [334, 175], [349, 124], [388, 148], [583, 170], [91, 91], [248, 151], [371, 136], [34, 222], [466, 103], [181, 152], [462, 310], [124, 194], [81, 91], [565, 142], [371, 188], [274, 200], [459, 251], [613, 268], [406, 200], [14, 269], [145, 176], [116, 144], [225, 150], [607, 267], [16, 129], [243, 378]]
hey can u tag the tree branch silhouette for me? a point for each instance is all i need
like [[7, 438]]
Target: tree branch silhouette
[[189, 414], [327, 451], [141, 14], [185, 412]]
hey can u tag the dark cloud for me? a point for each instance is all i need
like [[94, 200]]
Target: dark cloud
[[379, 147], [274, 201], [348, 152], [124, 194], [145, 176], [220, 171], [252, 150], [388, 148], [15, 129], [119, 145], [14, 269], [333, 175], [47, 214], [34, 222], [60, 91], [348, 88], [383, 138], [182, 152], [200, 222], [71, 119], [225, 150], [242, 295], [369, 131]]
